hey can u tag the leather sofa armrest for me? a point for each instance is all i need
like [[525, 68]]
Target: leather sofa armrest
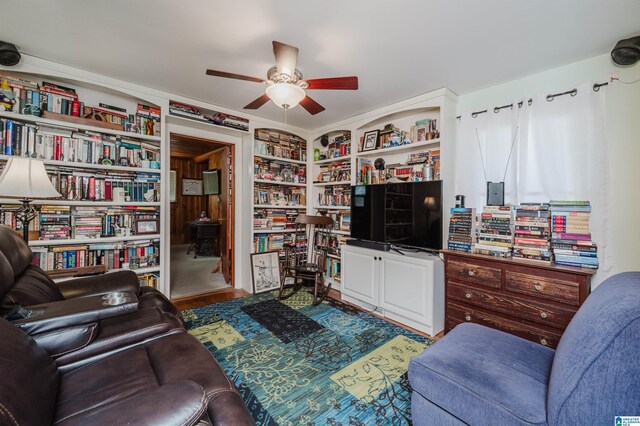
[[181, 403], [68, 313], [65, 340], [100, 284]]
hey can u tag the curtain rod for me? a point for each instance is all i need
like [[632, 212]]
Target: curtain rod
[[572, 92]]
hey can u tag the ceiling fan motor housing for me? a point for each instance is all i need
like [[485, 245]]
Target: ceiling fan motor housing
[[9, 55], [626, 52]]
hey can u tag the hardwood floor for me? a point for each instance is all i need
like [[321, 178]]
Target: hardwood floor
[[228, 294]]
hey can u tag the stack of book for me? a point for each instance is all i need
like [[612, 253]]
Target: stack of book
[[148, 120], [55, 222], [496, 232], [462, 229], [86, 222], [532, 232], [571, 238], [335, 196]]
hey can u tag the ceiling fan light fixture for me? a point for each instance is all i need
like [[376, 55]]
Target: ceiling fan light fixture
[[285, 95]]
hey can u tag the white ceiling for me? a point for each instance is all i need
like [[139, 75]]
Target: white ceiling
[[397, 48]]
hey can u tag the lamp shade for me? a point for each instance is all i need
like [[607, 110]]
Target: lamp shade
[[285, 95], [26, 178]]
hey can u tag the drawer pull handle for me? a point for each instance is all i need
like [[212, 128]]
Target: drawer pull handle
[[467, 317], [543, 341], [543, 314], [538, 287], [472, 273], [468, 295]]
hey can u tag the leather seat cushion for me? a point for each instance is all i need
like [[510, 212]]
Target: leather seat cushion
[[484, 376], [150, 297], [166, 360]]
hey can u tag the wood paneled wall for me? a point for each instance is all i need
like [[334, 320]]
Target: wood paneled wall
[[216, 161], [187, 207]]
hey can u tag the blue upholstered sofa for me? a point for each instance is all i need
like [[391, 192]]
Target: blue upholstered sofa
[[481, 376]]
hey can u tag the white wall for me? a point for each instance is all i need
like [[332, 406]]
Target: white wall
[[623, 134]]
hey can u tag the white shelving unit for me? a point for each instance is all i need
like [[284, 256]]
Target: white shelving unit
[[275, 182], [92, 94]]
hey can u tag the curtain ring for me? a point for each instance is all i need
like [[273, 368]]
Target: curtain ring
[[530, 101], [550, 98], [474, 115], [596, 88], [574, 92], [496, 110]]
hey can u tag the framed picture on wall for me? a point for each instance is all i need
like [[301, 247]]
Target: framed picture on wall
[[370, 140], [172, 186], [191, 186], [265, 271]]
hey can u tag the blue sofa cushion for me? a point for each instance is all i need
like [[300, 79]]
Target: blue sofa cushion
[[484, 376], [596, 371]]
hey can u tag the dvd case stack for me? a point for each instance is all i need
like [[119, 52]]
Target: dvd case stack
[[571, 238], [496, 232], [55, 222], [462, 229], [532, 232]]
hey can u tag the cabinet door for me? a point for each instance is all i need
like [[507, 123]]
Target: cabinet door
[[360, 276], [406, 288]]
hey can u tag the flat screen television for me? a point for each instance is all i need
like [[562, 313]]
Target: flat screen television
[[404, 214], [211, 182]]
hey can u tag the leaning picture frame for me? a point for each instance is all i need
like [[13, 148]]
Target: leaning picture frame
[[370, 140], [147, 226], [265, 271], [172, 186]]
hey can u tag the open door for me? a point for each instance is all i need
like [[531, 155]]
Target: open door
[[223, 160]]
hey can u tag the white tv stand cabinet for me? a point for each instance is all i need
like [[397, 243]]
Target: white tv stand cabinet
[[408, 289]]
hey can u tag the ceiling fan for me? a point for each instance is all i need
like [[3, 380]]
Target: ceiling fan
[[286, 87]]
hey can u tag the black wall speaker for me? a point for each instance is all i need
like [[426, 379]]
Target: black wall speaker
[[626, 52], [324, 141], [9, 55]]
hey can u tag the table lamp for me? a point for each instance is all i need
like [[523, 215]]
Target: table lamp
[[26, 179]]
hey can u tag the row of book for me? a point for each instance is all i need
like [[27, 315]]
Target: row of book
[[333, 269], [279, 171], [265, 194], [52, 143], [149, 280], [339, 146], [32, 98], [130, 255], [334, 172], [273, 219], [557, 232], [268, 242], [208, 116], [55, 222], [76, 185], [330, 240], [334, 196]]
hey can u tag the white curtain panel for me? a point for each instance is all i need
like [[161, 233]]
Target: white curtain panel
[[560, 153]]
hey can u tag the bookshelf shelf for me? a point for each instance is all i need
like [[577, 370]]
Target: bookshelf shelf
[[285, 160], [341, 182], [332, 207], [376, 153], [77, 165], [102, 240], [273, 182], [84, 203], [270, 206], [333, 160], [274, 231], [60, 123], [178, 119]]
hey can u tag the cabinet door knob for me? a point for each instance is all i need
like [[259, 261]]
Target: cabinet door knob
[[538, 286], [472, 273], [543, 341], [468, 295], [543, 314], [467, 317]]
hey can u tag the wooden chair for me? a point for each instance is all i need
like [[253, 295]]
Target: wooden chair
[[306, 263]]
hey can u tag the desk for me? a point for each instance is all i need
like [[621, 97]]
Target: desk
[[205, 238]]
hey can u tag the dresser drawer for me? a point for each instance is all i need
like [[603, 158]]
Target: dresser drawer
[[543, 287], [509, 305], [457, 314], [474, 272]]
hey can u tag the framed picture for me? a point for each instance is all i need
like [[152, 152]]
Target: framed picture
[[191, 186], [345, 222], [172, 186], [147, 226], [370, 140], [265, 271], [421, 134]]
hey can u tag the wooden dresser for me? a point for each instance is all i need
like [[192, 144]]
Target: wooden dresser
[[531, 300]]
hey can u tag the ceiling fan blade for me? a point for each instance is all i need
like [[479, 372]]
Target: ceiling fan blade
[[310, 105], [258, 102], [335, 83], [286, 58], [235, 76]]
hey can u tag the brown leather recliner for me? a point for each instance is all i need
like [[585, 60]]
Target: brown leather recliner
[[25, 284], [171, 380]]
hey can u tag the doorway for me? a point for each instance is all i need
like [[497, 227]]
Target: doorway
[[201, 216]]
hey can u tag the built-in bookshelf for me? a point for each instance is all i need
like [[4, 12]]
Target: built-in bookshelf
[[102, 153], [279, 187]]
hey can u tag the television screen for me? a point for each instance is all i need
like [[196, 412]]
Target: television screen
[[404, 214], [211, 182]]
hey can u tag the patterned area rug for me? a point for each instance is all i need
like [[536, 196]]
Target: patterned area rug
[[299, 364]]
